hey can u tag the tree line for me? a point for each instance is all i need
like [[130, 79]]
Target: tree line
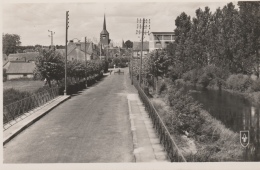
[[229, 39], [50, 65]]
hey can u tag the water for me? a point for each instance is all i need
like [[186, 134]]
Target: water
[[236, 113]]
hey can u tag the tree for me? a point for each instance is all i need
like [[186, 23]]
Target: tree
[[10, 43], [129, 44], [250, 30], [50, 65]]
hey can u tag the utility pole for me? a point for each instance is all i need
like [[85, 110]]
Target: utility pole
[[142, 24], [85, 49], [52, 33], [66, 51], [100, 51]]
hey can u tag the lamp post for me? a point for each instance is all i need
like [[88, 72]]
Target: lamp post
[[142, 24]]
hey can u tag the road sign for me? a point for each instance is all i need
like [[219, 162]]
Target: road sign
[[244, 138]]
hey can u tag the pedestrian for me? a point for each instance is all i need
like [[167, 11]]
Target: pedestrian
[[110, 71]]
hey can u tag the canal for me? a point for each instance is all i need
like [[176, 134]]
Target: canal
[[235, 112]]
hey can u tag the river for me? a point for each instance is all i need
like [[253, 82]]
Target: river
[[235, 112]]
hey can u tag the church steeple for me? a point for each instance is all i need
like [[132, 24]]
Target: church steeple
[[104, 35], [104, 24]]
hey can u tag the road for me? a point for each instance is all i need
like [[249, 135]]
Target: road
[[92, 126]]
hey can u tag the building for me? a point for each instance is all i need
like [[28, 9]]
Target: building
[[20, 69], [160, 40], [137, 46], [104, 35], [76, 51]]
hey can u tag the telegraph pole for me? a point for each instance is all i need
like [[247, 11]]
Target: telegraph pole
[[86, 49], [66, 51], [52, 33], [143, 25]]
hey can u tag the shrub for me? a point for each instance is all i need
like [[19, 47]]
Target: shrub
[[192, 75], [187, 111], [256, 85], [239, 82]]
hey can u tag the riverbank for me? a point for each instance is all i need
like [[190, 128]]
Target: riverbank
[[201, 137]]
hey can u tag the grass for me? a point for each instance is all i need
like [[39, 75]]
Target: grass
[[23, 85]]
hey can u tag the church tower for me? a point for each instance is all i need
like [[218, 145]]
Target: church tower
[[104, 35]]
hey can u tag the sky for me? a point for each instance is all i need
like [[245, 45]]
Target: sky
[[33, 20]]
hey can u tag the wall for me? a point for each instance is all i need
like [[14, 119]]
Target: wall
[[16, 76]]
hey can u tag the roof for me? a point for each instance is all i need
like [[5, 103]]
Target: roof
[[21, 68], [29, 56], [172, 33], [137, 46], [75, 54], [104, 31]]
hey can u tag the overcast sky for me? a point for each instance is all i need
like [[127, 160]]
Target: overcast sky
[[33, 20]]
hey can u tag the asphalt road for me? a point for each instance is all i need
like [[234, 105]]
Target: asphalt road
[[92, 126]]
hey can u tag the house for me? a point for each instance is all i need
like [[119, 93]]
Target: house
[[76, 51], [20, 69], [137, 46], [160, 40]]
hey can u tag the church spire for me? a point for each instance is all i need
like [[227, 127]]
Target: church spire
[[104, 24]]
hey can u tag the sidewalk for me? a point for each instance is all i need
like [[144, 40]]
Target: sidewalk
[[147, 147], [16, 127]]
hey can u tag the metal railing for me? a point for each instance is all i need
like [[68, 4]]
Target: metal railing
[[166, 139], [14, 110]]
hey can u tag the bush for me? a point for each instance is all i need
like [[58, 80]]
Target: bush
[[192, 75], [239, 82], [255, 85], [187, 111]]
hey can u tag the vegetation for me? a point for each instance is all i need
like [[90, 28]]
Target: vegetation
[[128, 44], [10, 43], [27, 85], [12, 95], [201, 137]]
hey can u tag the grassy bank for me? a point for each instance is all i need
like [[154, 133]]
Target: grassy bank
[[24, 85], [200, 136]]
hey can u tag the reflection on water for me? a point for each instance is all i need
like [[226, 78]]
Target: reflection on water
[[235, 112]]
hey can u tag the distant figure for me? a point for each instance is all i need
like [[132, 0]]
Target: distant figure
[[110, 71], [45, 80], [119, 71]]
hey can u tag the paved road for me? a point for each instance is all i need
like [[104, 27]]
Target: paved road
[[92, 126]]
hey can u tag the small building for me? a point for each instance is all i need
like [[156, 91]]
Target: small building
[[137, 46], [160, 40], [20, 69]]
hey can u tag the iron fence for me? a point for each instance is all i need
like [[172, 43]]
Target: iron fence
[[14, 110], [166, 139]]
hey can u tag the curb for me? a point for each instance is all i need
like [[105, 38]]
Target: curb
[[14, 134], [133, 131]]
